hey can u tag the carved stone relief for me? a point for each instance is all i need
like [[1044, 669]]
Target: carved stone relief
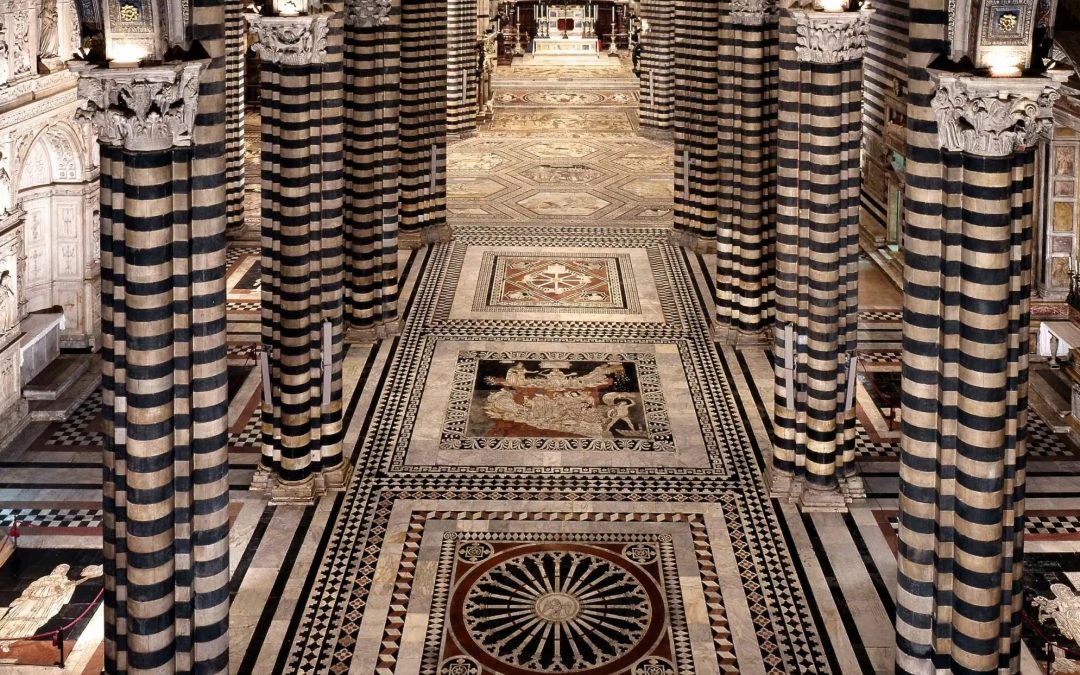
[[993, 117], [830, 37], [142, 109], [291, 40], [367, 13], [753, 12], [20, 46]]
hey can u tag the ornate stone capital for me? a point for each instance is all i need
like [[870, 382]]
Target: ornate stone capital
[[146, 109], [290, 40], [753, 12], [993, 116], [367, 13], [830, 37]]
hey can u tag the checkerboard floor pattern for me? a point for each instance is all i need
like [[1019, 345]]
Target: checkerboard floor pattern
[[75, 429], [51, 517], [891, 315], [233, 253], [251, 435], [1043, 443]]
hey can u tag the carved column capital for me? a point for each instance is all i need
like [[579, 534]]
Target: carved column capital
[[830, 37], [367, 13], [290, 40], [753, 12], [144, 108], [993, 116]]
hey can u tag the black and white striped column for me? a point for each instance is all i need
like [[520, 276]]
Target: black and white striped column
[[235, 150], [695, 121], [461, 84], [965, 370], [302, 291], [657, 67], [746, 199], [371, 102], [820, 128], [166, 493], [422, 125]]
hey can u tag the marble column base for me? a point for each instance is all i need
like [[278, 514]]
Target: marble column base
[[726, 335], [691, 241], [829, 501], [657, 133], [795, 490], [372, 333], [307, 491], [429, 235]]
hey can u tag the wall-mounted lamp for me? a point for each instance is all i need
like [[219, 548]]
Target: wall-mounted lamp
[[1003, 62], [123, 54], [833, 5]]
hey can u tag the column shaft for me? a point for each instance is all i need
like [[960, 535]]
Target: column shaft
[[164, 384], [423, 122], [817, 262], [371, 98], [695, 120], [461, 84], [235, 147], [965, 376], [746, 207], [657, 68]]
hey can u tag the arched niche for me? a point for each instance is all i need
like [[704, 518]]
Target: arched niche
[[60, 233]]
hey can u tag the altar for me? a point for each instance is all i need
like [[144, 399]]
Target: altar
[[565, 31], [567, 45]]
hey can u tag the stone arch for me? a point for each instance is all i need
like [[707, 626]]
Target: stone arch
[[54, 155], [60, 236]]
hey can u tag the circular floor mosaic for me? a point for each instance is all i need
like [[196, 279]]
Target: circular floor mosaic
[[573, 610]]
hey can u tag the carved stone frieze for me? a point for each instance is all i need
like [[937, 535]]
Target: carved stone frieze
[[830, 37], [290, 40], [367, 13], [753, 12], [993, 117], [144, 108]]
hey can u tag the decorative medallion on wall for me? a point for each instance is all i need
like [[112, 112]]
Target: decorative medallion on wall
[[558, 604]]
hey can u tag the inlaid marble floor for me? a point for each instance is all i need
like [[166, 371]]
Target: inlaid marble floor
[[555, 470]]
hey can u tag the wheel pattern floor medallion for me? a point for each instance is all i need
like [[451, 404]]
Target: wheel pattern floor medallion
[[557, 607]]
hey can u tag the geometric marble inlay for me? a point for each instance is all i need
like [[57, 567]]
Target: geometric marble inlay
[[563, 203], [557, 283]]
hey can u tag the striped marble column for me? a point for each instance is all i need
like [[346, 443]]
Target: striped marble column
[[302, 291], [820, 129], [657, 66], [166, 493], [695, 122], [965, 373], [235, 150], [461, 85], [746, 199], [371, 101], [422, 130]]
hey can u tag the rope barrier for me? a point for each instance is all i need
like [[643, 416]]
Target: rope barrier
[[62, 629]]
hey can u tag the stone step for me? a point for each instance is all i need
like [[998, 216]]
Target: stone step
[[63, 407], [51, 383]]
